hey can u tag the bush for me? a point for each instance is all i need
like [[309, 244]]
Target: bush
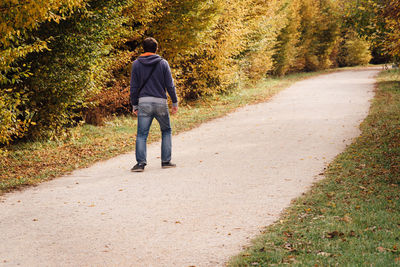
[[114, 96], [18, 25], [355, 50], [12, 124], [62, 76]]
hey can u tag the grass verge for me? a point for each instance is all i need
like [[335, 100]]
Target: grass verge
[[352, 217], [33, 162]]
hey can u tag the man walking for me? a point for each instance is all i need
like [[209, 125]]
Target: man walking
[[150, 79]]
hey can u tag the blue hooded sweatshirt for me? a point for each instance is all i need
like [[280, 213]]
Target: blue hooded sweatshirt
[[159, 82]]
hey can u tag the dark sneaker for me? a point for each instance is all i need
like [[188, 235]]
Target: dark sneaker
[[168, 164], [138, 167]]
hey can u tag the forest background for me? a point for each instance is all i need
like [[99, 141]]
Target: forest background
[[67, 62]]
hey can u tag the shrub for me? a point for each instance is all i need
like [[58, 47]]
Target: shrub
[[355, 50], [12, 124], [18, 24]]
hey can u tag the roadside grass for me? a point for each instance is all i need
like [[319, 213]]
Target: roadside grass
[[352, 216], [33, 162]]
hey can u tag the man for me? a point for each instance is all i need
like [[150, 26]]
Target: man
[[150, 79]]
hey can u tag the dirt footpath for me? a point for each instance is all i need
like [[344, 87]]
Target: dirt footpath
[[235, 175]]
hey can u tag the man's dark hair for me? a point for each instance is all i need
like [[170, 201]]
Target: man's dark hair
[[150, 45]]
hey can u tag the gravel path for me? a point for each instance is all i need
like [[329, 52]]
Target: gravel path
[[235, 175]]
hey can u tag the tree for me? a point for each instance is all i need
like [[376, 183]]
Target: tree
[[391, 14], [288, 40]]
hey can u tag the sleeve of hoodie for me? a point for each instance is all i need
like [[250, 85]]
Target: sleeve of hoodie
[[134, 89], [169, 83]]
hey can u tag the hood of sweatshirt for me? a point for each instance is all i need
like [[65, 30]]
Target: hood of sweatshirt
[[149, 60]]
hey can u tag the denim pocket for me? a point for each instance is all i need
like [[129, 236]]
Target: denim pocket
[[161, 109], [145, 109]]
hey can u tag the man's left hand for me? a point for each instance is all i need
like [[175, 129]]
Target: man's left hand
[[174, 110]]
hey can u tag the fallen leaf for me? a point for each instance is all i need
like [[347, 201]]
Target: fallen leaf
[[330, 194], [291, 259], [346, 219], [373, 228], [381, 249], [288, 234], [326, 254], [289, 247], [334, 234], [352, 233]]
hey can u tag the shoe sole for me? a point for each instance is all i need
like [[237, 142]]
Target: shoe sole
[[139, 170], [168, 167]]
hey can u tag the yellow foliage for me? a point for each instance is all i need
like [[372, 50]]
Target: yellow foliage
[[17, 19], [209, 67], [319, 34], [265, 25], [236, 47], [287, 48], [355, 50], [392, 19]]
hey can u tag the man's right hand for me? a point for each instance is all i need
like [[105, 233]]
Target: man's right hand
[[135, 112]]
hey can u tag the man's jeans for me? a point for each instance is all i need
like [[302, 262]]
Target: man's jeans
[[146, 113]]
